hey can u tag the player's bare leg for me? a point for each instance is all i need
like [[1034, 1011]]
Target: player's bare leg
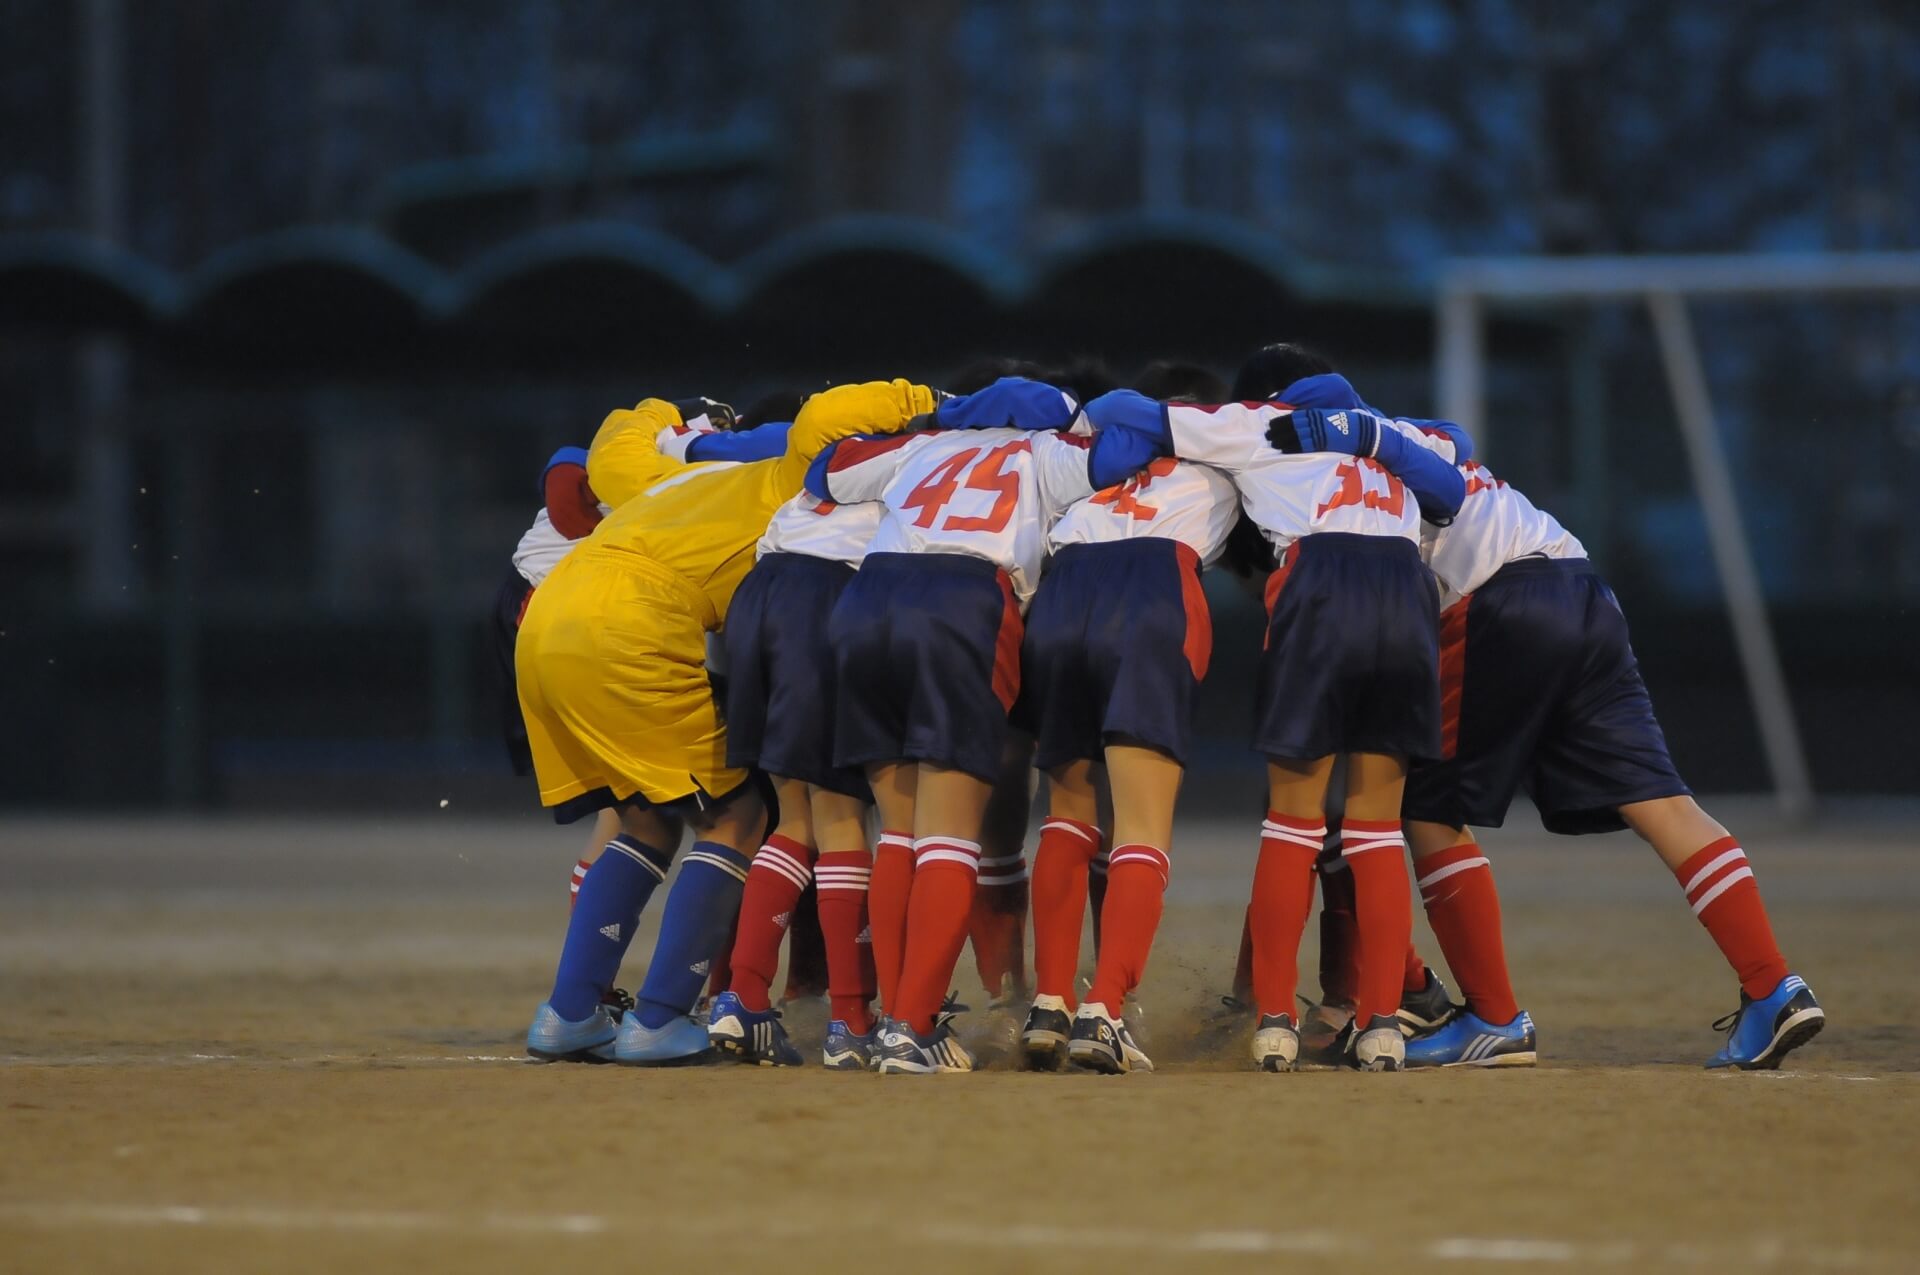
[[1777, 1012], [699, 911], [1290, 840], [743, 1023], [1069, 840], [894, 785], [1146, 784], [841, 875], [948, 808]]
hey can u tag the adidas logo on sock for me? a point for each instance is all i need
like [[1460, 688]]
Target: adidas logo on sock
[[865, 935], [783, 919], [611, 931], [700, 967]]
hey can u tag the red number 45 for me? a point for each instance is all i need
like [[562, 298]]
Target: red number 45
[[932, 493]]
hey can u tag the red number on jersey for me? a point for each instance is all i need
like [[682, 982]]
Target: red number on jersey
[[937, 488], [1123, 498], [1480, 478], [990, 475], [1367, 483]]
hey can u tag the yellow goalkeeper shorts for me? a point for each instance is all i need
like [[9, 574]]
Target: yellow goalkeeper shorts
[[611, 667]]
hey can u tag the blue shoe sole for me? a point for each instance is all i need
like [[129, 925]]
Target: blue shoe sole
[[1802, 1028], [700, 1059], [585, 1055]]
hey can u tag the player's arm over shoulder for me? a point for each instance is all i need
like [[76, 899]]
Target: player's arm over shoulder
[[874, 407], [626, 456]]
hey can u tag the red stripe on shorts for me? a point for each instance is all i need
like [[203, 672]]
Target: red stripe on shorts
[[1199, 643], [1006, 647], [1276, 582], [1453, 672]]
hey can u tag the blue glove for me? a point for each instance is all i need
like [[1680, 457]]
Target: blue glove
[[758, 443], [1130, 409], [1438, 486], [1012, 402], [1347, 432]]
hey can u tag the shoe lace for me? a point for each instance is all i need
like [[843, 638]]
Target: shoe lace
[[950, 1009], [1727, 1022], [617, 999]]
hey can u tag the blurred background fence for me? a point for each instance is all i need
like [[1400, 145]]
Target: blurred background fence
[[296, 297]]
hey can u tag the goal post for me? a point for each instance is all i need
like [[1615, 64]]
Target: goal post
[[1469, 289]]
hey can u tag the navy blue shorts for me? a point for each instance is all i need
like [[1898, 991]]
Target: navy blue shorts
[[780, 675], [503, 630], [1542, 691], [1117, 643], [927, 648], [1352, 661]]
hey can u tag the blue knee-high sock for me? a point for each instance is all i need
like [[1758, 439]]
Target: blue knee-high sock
[[605, 915], [699, 910]]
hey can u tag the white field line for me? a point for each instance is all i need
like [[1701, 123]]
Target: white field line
[[1763, 1253]]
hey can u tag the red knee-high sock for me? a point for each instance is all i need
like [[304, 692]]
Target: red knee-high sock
[[579, 875], [887, 892], [1339, 948], [841, 877], [806, 949], [1464, 909], [1136, 889], [1059, 896], [998, 926], [1282, 897], [944, 870], [779, 875], [1383, 911], [1726, 898], [1097, 890], [1243, 963]]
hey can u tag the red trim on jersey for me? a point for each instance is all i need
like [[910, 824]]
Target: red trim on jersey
[[1006, 647], [1199, 643], [572, 507], [851, 451], [1453, 671], [1276, 582]]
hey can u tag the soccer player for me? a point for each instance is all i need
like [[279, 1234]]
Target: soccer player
[[1350, 666], [614, 690], [927, 642], [780, 717], [1541, 690], [1117, 642]]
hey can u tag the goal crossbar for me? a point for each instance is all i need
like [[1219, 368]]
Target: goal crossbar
[[1468, 289]]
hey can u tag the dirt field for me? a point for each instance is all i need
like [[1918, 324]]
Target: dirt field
[[293, 1047]]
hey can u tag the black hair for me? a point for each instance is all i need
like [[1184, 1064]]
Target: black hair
[[1274, 367], [1170, 381], [981, 373], [774, 405], [1083, 376]]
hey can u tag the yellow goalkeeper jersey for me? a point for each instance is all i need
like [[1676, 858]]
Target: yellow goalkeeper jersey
[[701, 521]]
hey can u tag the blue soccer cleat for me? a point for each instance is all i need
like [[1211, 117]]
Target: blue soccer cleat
[[1468, 1040], [902, 1051], [1762, 1032], [552, 1038], [681, 1043], [846, 1050], [748, 1035]]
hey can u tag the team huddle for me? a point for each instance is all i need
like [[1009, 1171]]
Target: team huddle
[[839, 648]]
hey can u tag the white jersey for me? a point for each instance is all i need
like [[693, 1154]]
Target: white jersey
[[1288, 494], [1496, 525], [989, 493], [542, 547], [1168, 500], [822, 529]]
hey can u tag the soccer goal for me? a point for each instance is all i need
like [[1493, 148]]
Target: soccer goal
[[1469, 289]]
